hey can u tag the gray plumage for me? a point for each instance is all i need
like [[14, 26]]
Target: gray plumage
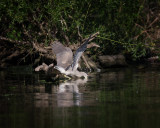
[[78, 54], [64, 55], [65, 62]]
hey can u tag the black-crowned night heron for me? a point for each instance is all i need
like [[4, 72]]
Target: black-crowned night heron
[[66, 63]]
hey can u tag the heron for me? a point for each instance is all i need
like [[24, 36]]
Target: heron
[[67, 64]]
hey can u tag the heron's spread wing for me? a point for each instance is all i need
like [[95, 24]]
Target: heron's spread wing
[[64, 54], [78, 54]]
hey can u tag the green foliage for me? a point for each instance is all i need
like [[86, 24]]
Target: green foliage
[[43, 21]]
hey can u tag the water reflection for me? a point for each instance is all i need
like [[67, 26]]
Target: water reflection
[[66, 94], [117, 98]]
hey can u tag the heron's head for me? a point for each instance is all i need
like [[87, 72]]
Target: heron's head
[[56, 67]]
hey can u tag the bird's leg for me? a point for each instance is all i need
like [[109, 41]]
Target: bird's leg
[[67, 77]]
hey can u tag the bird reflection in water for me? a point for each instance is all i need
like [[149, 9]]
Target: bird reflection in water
[[68, 93]]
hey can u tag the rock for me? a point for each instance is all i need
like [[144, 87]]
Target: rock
[[43, 67], [112, 60], [46, 68], [153, 59]]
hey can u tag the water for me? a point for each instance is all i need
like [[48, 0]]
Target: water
[[116, 98]]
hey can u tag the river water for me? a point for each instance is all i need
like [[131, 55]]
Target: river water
[[114, 98]]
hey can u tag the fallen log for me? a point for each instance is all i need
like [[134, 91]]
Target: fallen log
[[112, 60]]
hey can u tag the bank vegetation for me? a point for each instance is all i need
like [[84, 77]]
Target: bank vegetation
[[27, 28]]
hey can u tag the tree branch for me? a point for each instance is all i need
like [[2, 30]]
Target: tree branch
[[13, 41], [38, 48], [92, 37]]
